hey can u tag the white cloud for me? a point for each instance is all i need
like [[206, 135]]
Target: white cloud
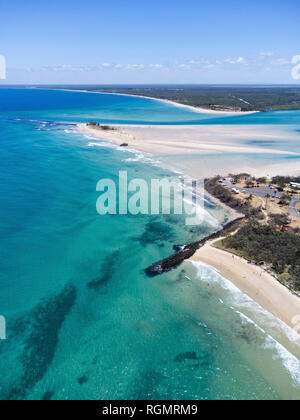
[[198, 62], [280, 62], [266, 54], [135, 66], [184, 67], [64, 68], [210, 66], [156, 66], [238, 60]]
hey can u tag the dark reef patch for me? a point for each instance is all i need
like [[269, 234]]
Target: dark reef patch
[[173, 219], [147, 386], [247, 333], [48, 396], [196, 361], [107, 269], [199, 231], [182, 357], [82, 380], [40, 329], [157, 232]]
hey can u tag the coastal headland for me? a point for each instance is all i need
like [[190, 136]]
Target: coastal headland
[[259, 252]]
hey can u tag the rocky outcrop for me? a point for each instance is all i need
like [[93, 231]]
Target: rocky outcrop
[[186, 252]]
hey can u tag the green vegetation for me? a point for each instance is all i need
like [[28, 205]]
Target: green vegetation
[[285, 180], [279, 220], [100, 127], [285, 200], [225, 196], [240, 177], [238, 98], [270, 241], [265, 244], [220, 97]]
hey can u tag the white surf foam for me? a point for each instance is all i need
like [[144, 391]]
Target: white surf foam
[[240, 302]]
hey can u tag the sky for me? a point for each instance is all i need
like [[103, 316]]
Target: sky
[[143, 41]]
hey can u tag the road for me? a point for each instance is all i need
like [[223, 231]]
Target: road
[[262, 192], [259, 192]]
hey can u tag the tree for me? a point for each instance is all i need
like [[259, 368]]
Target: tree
[[262, 180], [249, 183], [285, 200]]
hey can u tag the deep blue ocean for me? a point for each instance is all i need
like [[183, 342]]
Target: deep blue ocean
[[83, 319]]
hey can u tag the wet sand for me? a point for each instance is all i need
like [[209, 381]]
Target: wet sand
[[254, 281]]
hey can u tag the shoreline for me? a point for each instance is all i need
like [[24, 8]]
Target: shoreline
[[168, 101], [254, 281]]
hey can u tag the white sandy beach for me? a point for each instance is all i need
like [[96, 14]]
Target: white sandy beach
[[254, 281], [194, 108], [210, 143]]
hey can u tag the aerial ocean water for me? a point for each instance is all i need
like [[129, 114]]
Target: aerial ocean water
[[83, 319]]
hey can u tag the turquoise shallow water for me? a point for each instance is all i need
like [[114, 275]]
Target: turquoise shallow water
[[83, 320], [80, 106]]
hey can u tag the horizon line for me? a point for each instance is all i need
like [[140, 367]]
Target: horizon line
[[150, 84]]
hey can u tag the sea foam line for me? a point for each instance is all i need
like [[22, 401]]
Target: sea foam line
[[243, 301]]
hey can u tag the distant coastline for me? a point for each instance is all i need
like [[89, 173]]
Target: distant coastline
[[199, 110], [232, 99], [216, 99]]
